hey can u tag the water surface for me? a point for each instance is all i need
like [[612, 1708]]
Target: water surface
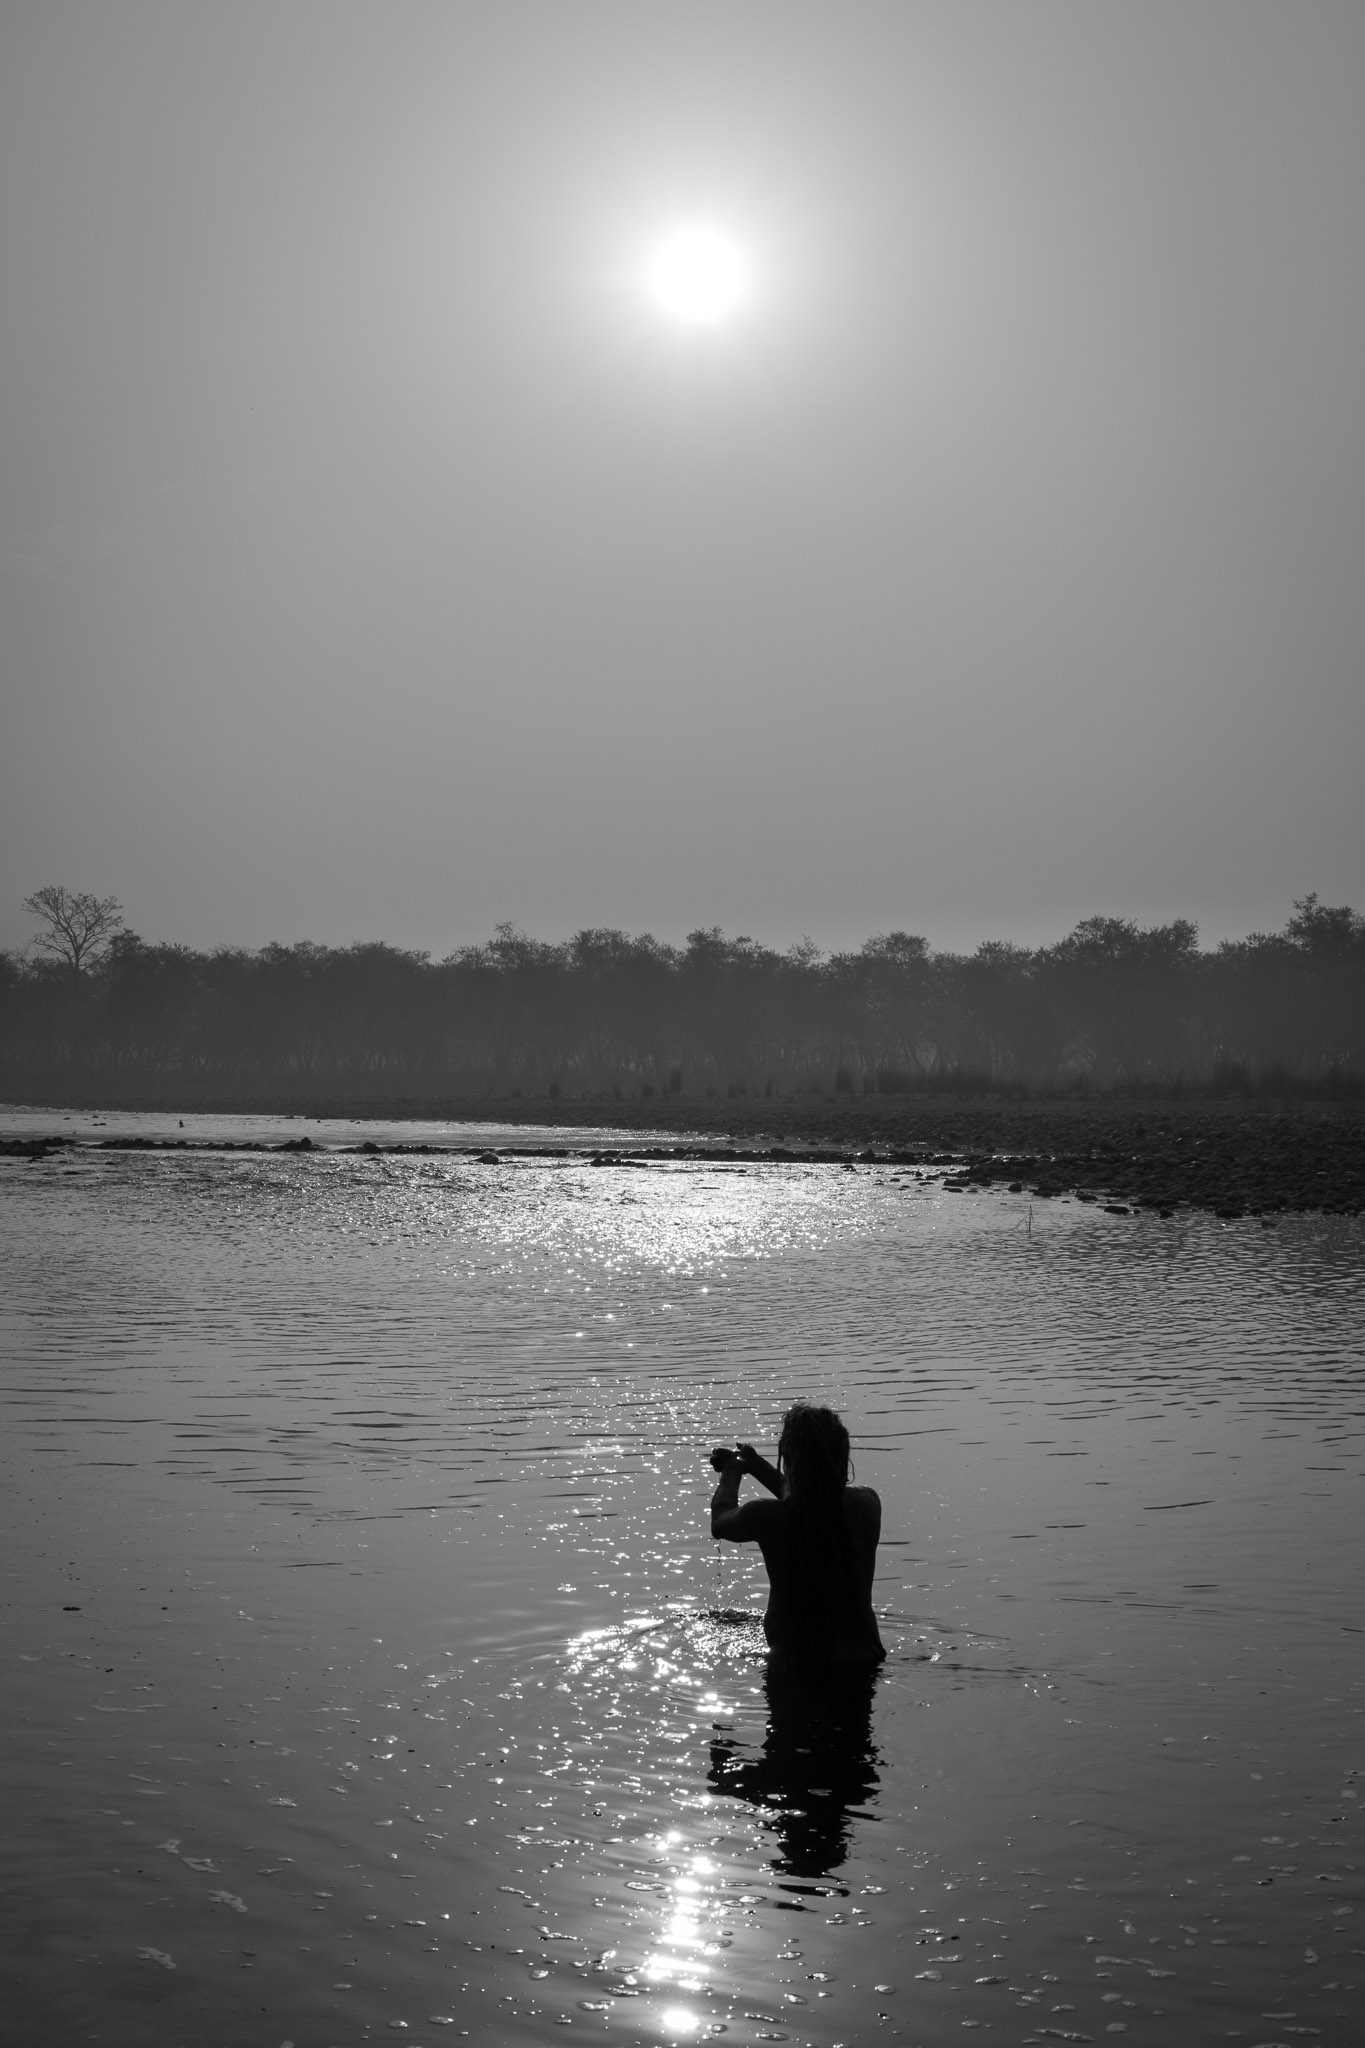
[[371, 1672]]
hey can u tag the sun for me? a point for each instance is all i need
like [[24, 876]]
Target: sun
[[697, 277]]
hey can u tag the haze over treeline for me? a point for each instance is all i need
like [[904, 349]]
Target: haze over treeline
[[375, 558], [1111, 1006]]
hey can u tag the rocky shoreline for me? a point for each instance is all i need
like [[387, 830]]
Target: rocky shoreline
[[1219, 1157]]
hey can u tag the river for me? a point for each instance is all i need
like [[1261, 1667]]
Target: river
[[372, 1675]]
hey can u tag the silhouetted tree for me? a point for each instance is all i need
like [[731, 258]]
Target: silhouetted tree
[[1123, 994], [1331, 936], [74, 927]]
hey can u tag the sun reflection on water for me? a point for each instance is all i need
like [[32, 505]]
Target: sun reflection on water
[[685, 1947], [643, 1675]]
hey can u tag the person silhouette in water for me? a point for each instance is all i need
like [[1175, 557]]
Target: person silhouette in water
[[818, 1539]]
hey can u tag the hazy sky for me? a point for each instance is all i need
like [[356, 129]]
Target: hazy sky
[[377, 559]]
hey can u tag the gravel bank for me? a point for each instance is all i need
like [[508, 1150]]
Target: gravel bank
[[1231, 1159]]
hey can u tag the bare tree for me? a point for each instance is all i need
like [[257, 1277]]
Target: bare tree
[[76, 928]]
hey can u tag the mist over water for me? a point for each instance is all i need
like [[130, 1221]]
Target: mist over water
[[372, 1671]]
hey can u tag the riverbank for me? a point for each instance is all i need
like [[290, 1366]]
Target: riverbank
[[1228, 1158]]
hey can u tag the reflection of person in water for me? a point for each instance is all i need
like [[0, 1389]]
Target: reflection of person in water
[[818, 1539], [817, 1769]]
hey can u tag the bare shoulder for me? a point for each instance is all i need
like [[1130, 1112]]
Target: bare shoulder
[[865, 1503]]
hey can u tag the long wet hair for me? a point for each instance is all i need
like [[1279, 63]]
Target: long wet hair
[[813, 1457]]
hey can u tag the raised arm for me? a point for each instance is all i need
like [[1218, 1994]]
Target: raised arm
[[730, 1521], [759, 1469], [725, 1499]]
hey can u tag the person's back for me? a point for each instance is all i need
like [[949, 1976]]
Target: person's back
[[818, 1540], [820, 1602]]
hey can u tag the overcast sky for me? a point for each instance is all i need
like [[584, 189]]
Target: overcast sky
[[378, 559]]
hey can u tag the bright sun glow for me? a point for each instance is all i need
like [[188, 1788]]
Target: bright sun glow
[[697, 277]]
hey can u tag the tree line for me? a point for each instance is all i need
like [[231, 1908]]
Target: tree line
[[1112, 1006]]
